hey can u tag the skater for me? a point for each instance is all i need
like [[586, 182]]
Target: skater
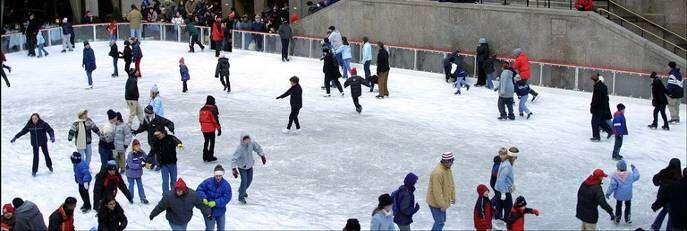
[[7, 219], [482, 57], [63, 218], [589, 196], [82, 176], [242, 162], [136, 54], [67, 33], [134, 170], [222, 72], [460, 75], [516, 220], [366, 58], [665, 179], [107, 181], [216, 194], [193, 34], [675, 92], [448, 61], [285, 34], [112, 30], [156, 101], [122, 139], [183, 71], [599, 108], [88, 63], [491, 71], [134, 17], [522, 66], [483, 211], [382, 217], [620, 130], [127, 55], [27, 216], [505, 184], [441, 192], [152, 123], [111, 215], [38, 129], [2, 68], [209, 122], [352, 224], [131, 96], [404, 205], [331, 72], [114, 53], [506, 91], [296, 101], [165, 149], [659, 101], [217, 35], [522, 91], [382, 70], [106, 144], [40, 42], [495, 171], [179, 206], [32, 29], [355, 81], [675, 197], [346, 57], [336, 41], [81, 131], [621, 188]]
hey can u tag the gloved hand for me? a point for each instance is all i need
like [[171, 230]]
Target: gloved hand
[[417, 206], [205, 201], [151, 217], [235, 172], [12, 140], [503, 196], [612, 217], [535, 211], [211, 204], [52, 139], [180, 146], [264, 159], [219, 132], [85, 185], [632, 166]]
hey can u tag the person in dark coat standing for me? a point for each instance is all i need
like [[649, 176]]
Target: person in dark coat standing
[[107, 181], [482, 56], [136, 54], [114, 53], [88, 63], [601, 111], [165, 148], [222, 72], [405, 202], [355, 81], [32, 30], [589, 196], [67, 35], [296, 102], [331, 72], [38, 129], [675, 197], [179, 206], [131, 96], [665, 179], [63, 218], [2, 68], [127, 55], [111, 216], [285, 34], [659, 101], [27, 216], [209, 123], [382, 71]]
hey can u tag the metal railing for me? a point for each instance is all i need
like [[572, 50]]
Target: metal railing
[[534, 3]]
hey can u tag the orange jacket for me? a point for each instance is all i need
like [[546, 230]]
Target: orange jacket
[[522, 66]]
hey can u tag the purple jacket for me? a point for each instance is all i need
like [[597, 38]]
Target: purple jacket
[[134, 164]]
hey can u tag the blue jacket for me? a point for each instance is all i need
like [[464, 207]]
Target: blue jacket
[[382, 221], [367, 52], [88, 59], [619, 126], [136, 51], [81, 173], [674, 87], [406, 201], [346, 52], [39, 38], [504, 180], [522, 88], [220, 193], [39, 132], [134, 164], [158, 109], [621, 185], [183, 71], [67, 28]]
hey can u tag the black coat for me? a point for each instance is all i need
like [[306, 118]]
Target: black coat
[[131, 87], [127, 55], [382, 61], [296, 94], [675, 196], [482, 54], [114, 51], [101, 191], [599, 105], [667, 176], [588, 198], [158, 122], [38, 132], [166, 149], [222, 67], [330, 67], [658, 93], [55, 219], [111, 220], [355, 82]]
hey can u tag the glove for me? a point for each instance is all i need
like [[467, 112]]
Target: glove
[[219, 132], [264, 159], [503, 196], [417, 207], [612, 217], [535, 211], [211, 204], [131, 201], [632, 166], [151, 217], [85, 186], [205, 201], [180, 146], [12, 140], [235, 172]]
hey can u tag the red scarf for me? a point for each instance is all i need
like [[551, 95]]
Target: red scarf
[[111, 179], [67, 221]]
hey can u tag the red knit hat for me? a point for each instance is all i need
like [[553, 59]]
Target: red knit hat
[[181, 60], [7, 208], [135, 142], [481, 189], [180, 185], [354, 71]]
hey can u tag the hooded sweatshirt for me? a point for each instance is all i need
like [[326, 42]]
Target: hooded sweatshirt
[[28, 217], [406, 201], [243, 156], [621, 183], [180, 208]]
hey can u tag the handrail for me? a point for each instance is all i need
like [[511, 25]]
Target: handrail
[[646, 20], [644, 30]]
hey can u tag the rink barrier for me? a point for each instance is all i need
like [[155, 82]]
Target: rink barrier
[[547, 74]]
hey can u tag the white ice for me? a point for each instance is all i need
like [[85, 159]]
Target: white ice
[[341, 161]]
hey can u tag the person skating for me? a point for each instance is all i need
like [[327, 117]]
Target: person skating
[[136, 54], [106, 144], [590, 195], [382, 217], [111, 216], [601, 112], [209, 123], [165, 149], [39, 131], [366, 58], [183, 71], [27, 216], [665, 179], [382, 70], [355, 81], [63, 218], [659, 101], [179, 206], [441, 192], [7, 219], [447, 62], [522, 66], [621, 188], [193, 34], [127, 55], [217, 35], [131, 96], [404, 205], [222, 72], [516, 220], [88, 63], [81, 132], [484, 211], [122, 139], [296, 101], [482, 56], [82, 177], [2, 68], [135, 162], [522, 90], [460, 75], [156, 101], [620, 130], [67, 31], [114, 53], [346, 57], [40, 43], [32, 28], [152, 123], [216, 194], [506, 91], [242, 163], [107, 181], [675, 197], [505, 183], [675, 92], [331, 72], [285, 35]]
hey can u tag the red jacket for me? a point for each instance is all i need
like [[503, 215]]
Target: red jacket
[[294, 18], [522, 66], [587, 5], [112, 28], [217, 32], [208, 118], [518, 218], [483, 214]]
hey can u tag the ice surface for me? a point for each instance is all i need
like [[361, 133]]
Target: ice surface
[[341, 161]]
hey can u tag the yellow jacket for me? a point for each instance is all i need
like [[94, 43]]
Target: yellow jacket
[[441, 189], [134, 18]]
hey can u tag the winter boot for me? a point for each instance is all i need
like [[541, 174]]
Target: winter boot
[[502, 118], [212, 159], [652, 126], [359, 109], [665, 127], [529, 115], [457, 92], [144, 201], [593, 139]]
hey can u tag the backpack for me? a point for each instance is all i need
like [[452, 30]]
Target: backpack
[[396, 206]]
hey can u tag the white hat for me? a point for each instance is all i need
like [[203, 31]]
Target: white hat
[[154, 89]]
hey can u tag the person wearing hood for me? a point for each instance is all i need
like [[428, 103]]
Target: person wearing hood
[[482, 56], [516, 220], [131, 96], [107, 181], [156, 101], [483, 211], [27, 216], [209, 123], [80, 132], [216, 194], [441, 192], [63, 218], [522, 66], [382, 217], [82, 177], [505, 182], [111, 216], [179, 206], [404, 206], [659, 101], [88, 63], [506, 89], [665, 179], [296, 100], [122, 139], [39, 131], [675, 92], [242, 163], [7, 219], [355, 81], [621, 188], [590, 195], [599, 108], [222, 72], [165, 149], [675, 197], [183, 71]]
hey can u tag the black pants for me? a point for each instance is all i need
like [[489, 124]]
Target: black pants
[[127, 65], [597, 122], [208, 145], [4, 76], [195, 40], [447, 72], [293, 118], [327, 86], [185, 86], [284, 49], [31, 44], [84, 196], [619, 209], [481, 75], [225, 82], [48, 161], [662, 110], [502, 104], [503, 207], [532, 92], [218, 47], [355, 102]]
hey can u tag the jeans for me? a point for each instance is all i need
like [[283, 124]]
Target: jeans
[[169, 176], [339, 58], [89, 74], [346, 67], [460, 82], [502, 104], [617, 145], [662, 110], [136, 33], [86, 154], [105, 155], [48, 161], [177, 227], [522, 105], [210, 224], [619, 210], [85, 198], [366, 67], [41, 50], [403, 227], [503, 207], [293, 118], [139, 184], [246, 179], [597, 122], [66, 45], [490, 79], [208, 145], [113, 37], [659, 219], [114, 63], [439, 218], [284, 49]]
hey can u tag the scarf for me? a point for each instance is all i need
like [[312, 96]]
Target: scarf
[[479, 206], [81, 134]]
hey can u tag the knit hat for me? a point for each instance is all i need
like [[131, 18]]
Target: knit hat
[[148, 109], [219, 170], [352, 224], [7, 208], [180, 185], [596, 177], [85, 43], [135, 142], [181, 60], [621, 165], [517, 51], [111, 165], [482, 40], [111, 114], [81, 112], [354, 71], [385, 200], [154, 89], [520, 202], [76, 157], [17, 202], [447, 156], [331, 28], [481, 189], [620, 107]]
